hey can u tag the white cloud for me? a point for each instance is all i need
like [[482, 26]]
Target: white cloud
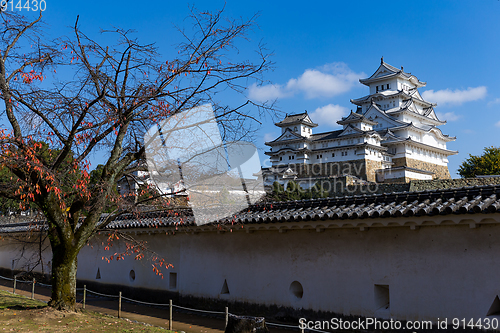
[[269, 137], [329, 114], [448, 116], [497, 124], [455, 97], [325, 81], [268, 92], [495, 101]]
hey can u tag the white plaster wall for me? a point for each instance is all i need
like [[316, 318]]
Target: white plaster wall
[[416, 175], [18, 256], [430, 139], [433, 271], [118, 271]]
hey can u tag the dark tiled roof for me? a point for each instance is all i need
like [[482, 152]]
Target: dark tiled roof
[[326, 135], [479, 200], [465, 200], [296, 118]]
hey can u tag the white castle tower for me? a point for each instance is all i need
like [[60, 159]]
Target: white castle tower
[[392, 137]]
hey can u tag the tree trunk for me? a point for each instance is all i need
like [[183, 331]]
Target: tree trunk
[[64, 265]]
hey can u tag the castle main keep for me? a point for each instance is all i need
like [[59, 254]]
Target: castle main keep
[[393, 136]]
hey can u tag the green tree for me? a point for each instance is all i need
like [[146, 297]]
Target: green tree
[[317, 191], [295, 192], [486, 164]]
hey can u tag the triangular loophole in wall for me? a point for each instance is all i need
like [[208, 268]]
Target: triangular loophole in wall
[[98, 275], [494, 308], [225, 289]]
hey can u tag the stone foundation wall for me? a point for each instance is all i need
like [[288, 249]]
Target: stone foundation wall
[[371, 167], [422, 185], [333, 169], [343, 186], [364, 169], [440, 171]]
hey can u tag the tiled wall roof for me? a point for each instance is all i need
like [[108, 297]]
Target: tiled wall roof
[[466, 200]]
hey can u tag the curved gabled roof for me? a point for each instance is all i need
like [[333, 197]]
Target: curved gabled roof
[[409, 107], [383, 115], [383, 94], [354, 117], [386, 71], [294, 119], [431, 128], [287, 132]]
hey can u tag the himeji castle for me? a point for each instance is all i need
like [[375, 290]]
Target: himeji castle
[[393, 136]]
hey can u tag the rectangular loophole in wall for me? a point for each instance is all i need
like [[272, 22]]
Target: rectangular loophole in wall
[[172, 281], [382, 299]]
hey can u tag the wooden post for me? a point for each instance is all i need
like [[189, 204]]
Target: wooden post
[[15, 280], [120, 305], [170, 316], [84, 295], [227, 315], [33, 289]]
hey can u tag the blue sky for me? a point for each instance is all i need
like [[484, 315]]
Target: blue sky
[[322, 48]]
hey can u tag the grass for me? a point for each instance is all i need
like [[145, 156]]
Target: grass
[[16, 302], [21, 314]]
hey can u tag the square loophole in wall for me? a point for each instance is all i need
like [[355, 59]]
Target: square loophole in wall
[[382, 299], [172, 281]]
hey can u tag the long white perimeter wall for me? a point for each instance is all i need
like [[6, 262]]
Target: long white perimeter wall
[[431, 272]]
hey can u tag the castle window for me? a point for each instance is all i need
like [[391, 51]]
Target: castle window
[[295, 129], [333, 154], [388, 86], [281, 158], [376, 88]]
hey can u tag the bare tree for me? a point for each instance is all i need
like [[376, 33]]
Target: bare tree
[[115, 94]]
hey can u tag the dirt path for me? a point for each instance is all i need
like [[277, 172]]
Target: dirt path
[[189, 323]]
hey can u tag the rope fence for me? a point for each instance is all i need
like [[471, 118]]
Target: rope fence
[[120, 297]]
